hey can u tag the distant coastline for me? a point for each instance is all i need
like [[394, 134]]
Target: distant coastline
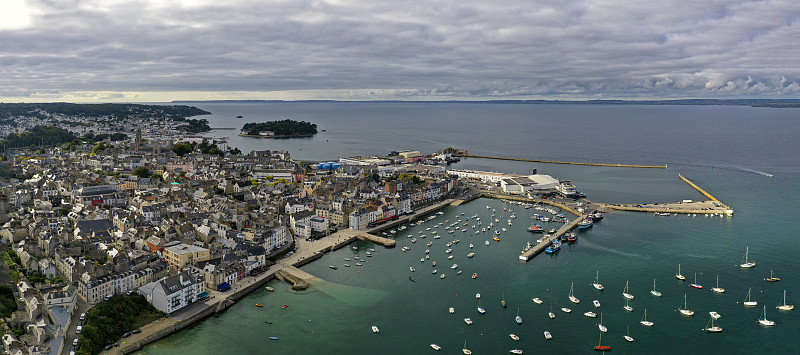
[[282, 136], [774, 103]]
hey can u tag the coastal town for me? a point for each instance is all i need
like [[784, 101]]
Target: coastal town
[[190, 225]]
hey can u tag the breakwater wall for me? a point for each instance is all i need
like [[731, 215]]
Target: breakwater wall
[[700, 190], [566, 162]]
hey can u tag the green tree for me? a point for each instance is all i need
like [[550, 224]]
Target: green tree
[[142, 172], [182, 148]]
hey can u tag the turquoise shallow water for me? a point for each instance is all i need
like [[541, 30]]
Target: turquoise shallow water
[[334, 316]]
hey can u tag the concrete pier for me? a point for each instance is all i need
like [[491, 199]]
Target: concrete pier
[[566, 162], [298, 278], [538, 248]]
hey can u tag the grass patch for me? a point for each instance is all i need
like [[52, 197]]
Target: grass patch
[[107, 321]]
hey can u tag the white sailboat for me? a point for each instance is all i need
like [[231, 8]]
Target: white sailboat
[[747, 263], [465, 350], [718, 289], [644, 320], [597, 283], [685, 310], [627, 336], [763, 319], [572, 297], [748, 301], [784, 306], [601, 326], [625, 292], [653, 291], [713, 328], [678, 275], [628, 306]]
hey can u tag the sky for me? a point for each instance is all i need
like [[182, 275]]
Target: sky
[[164, 50]]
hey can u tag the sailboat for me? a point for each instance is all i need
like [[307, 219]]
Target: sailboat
[[518, 319], [763, 319], [503, 301], [685, 310], [601, 326], [747, 263], [628, 306], [654, 292], [771, 277], [597, 283], [748, 301], [784, 306], [627, 336], [713, 328], [644, 320], [678, 275], [625, 292], [572, 297], [695, 284], [465, 350], [600, 347], [718, 289]]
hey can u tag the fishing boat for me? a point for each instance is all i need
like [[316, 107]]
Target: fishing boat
[[627, 306], [597, 283], [375, 329], [685, 310], [535, 229], [772, 277], [784, 306], [678, 275], [695, 284], [718, 289], [713, 328], [474, 275], [590, 314], [600, 347], [468, 321], [644, 320], [503, 301], [537, 300], [556, 246], [653, 291], [566, 310], [625, 292], [572, 297], [763, 318], [571, 238], [596, 303], [584, 224], [714, 315], [547, 335], [514, 337], [601, 326], [451, 310], [627, 335], [747, 263], [436, 347], [748, 301]]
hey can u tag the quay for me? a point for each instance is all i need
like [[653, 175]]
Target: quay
[[712, 206], [298, 278], [538, 248], [563, 162]]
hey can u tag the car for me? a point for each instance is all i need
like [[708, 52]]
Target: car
[[108, 347], [83, 316], [136, 331], [116, 344], [127, 334], [75, 342], [78, 329]]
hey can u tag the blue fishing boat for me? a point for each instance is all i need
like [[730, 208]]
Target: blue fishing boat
[[553, 248], [585, 224]]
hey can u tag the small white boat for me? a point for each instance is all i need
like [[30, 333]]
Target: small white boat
[[653, 291], [454, 266], [601, 326], [596, 303], [718, 289], [449, 257], [434, 271], [627, 306], [459, 272], [572, 297], [625, 292], [784, 306], [470, 255], [714, 315], [436, 347], [412, 269], [487, 243], [644, 320], [547, 335], [566, 310], [514, 337], [516, 351], [452, 310], [763, 318], [441, 276], [481, 310], [713, 328], [537, 300], [375, 329], [468, 321], [747, 263], [627, 336], [551, 315], [685, 310], [679, 276], [270, 288], [597, 283], [590, 314], [748, 301], [433, 263], [470, 245]]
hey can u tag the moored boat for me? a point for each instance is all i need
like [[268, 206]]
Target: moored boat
[[748, 301], [625, 292], [772, 277], [763, 318], [537, 300], [784, 306], [679, 276], [375, 329], [718, 289], [747, 263], [514, 337], [695, 284], [436, 347], [468, 321], [600, 347], [572, 297], [597, 285]]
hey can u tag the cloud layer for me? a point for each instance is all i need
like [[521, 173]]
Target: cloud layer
[[108, 50]]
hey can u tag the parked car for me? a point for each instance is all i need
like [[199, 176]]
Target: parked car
[[127, 334], [75, 342], [83, 316], [136, 331], [78, 330]]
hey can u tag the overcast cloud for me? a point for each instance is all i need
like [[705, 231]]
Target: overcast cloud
[[159, 50]]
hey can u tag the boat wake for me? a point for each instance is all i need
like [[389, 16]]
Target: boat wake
[[595, 246], [728, 167]]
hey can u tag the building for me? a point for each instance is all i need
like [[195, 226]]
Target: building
[[179, 255], [173, 293]]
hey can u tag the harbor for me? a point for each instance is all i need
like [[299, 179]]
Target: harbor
[[465, 155]]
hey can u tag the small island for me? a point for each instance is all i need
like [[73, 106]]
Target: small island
[[279, 129]]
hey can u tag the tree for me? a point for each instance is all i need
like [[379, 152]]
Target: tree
[[182, 148], [142, 172]]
